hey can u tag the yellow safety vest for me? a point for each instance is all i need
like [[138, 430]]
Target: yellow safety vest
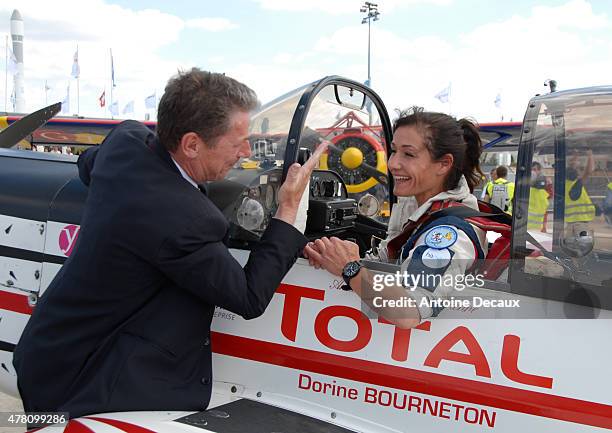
[[538, 204], [581, 210], [486, 188], [509, 191]]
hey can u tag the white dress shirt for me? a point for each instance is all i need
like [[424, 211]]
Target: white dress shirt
[[185, 175]]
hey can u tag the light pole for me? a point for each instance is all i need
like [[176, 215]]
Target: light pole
[[372, 14]]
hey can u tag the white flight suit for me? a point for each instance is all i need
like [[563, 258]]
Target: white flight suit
[[463, 250]]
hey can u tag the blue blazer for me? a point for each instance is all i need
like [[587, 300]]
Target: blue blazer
[[125, 324]]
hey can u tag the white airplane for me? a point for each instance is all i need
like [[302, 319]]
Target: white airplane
[[320, 361]]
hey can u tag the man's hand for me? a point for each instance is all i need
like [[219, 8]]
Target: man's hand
[[332, 254], [291, 191]]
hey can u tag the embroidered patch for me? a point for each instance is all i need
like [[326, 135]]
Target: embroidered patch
[[428, 277], [436, 258], [441, 237]]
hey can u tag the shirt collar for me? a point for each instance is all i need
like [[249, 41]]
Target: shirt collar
[[460, 193], [184, 174]]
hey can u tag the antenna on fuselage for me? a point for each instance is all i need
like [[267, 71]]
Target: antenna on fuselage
[[552, 84]]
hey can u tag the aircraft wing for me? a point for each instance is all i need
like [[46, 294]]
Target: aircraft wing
[[235, 416]]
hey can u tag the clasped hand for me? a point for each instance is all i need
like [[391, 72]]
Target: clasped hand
[[331, 254]]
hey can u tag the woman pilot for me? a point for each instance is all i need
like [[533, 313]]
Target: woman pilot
[[435, 159]]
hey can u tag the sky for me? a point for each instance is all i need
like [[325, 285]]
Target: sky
[[481, 48]]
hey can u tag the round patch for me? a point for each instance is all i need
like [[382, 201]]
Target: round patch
[[435, 258], [441, 237]]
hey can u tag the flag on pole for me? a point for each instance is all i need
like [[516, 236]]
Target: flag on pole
[[13, 98], [76, 70], [11, 67], [498, 100], [129, 108], [112, 69], [114, 108], [151, 101], [102, 98], [66, 102], [444, 94], [47, 87]]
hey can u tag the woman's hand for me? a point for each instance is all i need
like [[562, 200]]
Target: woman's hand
[[332, 254]]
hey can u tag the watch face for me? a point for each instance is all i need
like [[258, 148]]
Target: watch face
[[351, 269]]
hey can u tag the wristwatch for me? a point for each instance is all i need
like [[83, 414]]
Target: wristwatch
[[350, 270]]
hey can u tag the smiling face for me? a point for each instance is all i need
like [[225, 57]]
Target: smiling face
[[414, 171], [211, 161]]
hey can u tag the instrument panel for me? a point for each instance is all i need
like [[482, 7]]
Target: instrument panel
[[329, 208], [258, 203], [326, 184]]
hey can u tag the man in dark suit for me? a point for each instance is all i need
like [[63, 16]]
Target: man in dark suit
[[125, 324]]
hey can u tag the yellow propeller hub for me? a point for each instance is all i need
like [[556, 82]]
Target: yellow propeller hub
[[352, 158]]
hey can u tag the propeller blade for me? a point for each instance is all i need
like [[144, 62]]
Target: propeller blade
[[19, 130], [372, 171]]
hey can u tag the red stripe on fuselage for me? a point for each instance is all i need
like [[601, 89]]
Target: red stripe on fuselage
[[408, 379], [76, 427], [122, 425], [15, 302], [392, 376]]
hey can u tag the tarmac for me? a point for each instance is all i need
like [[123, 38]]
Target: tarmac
[[10, 404]]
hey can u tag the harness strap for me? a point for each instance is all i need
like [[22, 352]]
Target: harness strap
[[450, 220], [395, 245], [493, 218]]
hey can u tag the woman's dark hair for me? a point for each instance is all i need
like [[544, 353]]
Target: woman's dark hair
[[443, 134]]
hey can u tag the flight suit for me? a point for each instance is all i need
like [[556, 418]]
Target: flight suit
[[455, 253]]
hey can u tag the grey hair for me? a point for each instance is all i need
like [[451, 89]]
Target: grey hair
[[201, 102]]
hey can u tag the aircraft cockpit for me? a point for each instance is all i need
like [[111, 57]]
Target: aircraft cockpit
[[349, 194], [556, 235]]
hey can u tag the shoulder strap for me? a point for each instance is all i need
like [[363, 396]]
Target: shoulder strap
[[486, 210], [395, 245], [440, 209], [457, 214], [451, 220]]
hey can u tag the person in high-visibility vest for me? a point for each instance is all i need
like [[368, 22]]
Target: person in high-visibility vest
[[493, 176], [501, 192], [578, 205], [538, 198]]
